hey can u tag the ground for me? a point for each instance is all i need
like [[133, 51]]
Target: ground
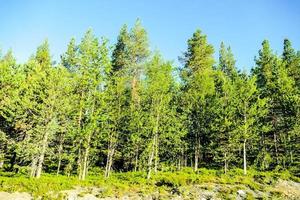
[[177, 185]]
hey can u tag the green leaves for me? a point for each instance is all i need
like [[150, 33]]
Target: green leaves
[[127, 110]]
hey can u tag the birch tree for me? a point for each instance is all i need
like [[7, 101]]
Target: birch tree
[[90, 63], [158, 88]]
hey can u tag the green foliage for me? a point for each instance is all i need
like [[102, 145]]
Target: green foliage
[[123, 108], [120, 184]]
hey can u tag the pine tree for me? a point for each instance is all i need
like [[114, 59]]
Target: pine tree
[[250, 108], [69, 58], [9, 91], [266, 72], [291, 62], [120, 55], [227, 62], [138, 53], [198, 87], [274, 82], [222, 140]]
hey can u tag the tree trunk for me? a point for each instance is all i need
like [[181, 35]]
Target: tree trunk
[[179, 163], [150, 159], [79, 162], [109, 161], [225, 163], [85, 159], [244, 143], [33, 167], [156, 158], [185, 160], [89, 136], [276, 149], [245, 160], [134, 91], [58, 167], [154, 149], [84, 164], [2, 156], [136, 159], [60, 148], [197, 152], [42, 155], [290, 154]]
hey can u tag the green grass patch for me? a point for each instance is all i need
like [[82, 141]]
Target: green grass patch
[[163, 183]]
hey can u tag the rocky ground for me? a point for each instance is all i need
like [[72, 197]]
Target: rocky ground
[[281, 190]]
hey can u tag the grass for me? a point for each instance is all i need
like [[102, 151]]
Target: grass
[[164, 183]]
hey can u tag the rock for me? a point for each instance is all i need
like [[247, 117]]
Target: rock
[[71, 195], [88, 197], [207, 195], [241, 194], [15, 196], [288, 189]]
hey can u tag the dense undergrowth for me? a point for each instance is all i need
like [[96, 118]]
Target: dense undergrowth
[[135, 182]]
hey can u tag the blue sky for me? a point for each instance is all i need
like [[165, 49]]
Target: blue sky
[[241, 24]]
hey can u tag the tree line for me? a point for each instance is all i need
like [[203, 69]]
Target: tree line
[[125, 108]]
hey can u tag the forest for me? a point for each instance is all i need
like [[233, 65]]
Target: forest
[[112, 108]]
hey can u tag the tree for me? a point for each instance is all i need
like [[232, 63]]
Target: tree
[[198, 87], [120, 55], [158, 91], [132, 110], [69, 58], [266, 72], [115, 113], [9, 91], [288, 54], [222, 140], [250, 108], [227, 62], [91, 65], [275, 83], [39, 107]]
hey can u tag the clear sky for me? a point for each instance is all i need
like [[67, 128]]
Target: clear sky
[[242, 24]]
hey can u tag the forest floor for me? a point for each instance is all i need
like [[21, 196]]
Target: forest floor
[[177, 185]]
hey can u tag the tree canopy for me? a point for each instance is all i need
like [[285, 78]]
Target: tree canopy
[[123, 107]]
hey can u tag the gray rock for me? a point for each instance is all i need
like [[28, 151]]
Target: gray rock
[[15, 196], [88, 197], [241, 194]]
